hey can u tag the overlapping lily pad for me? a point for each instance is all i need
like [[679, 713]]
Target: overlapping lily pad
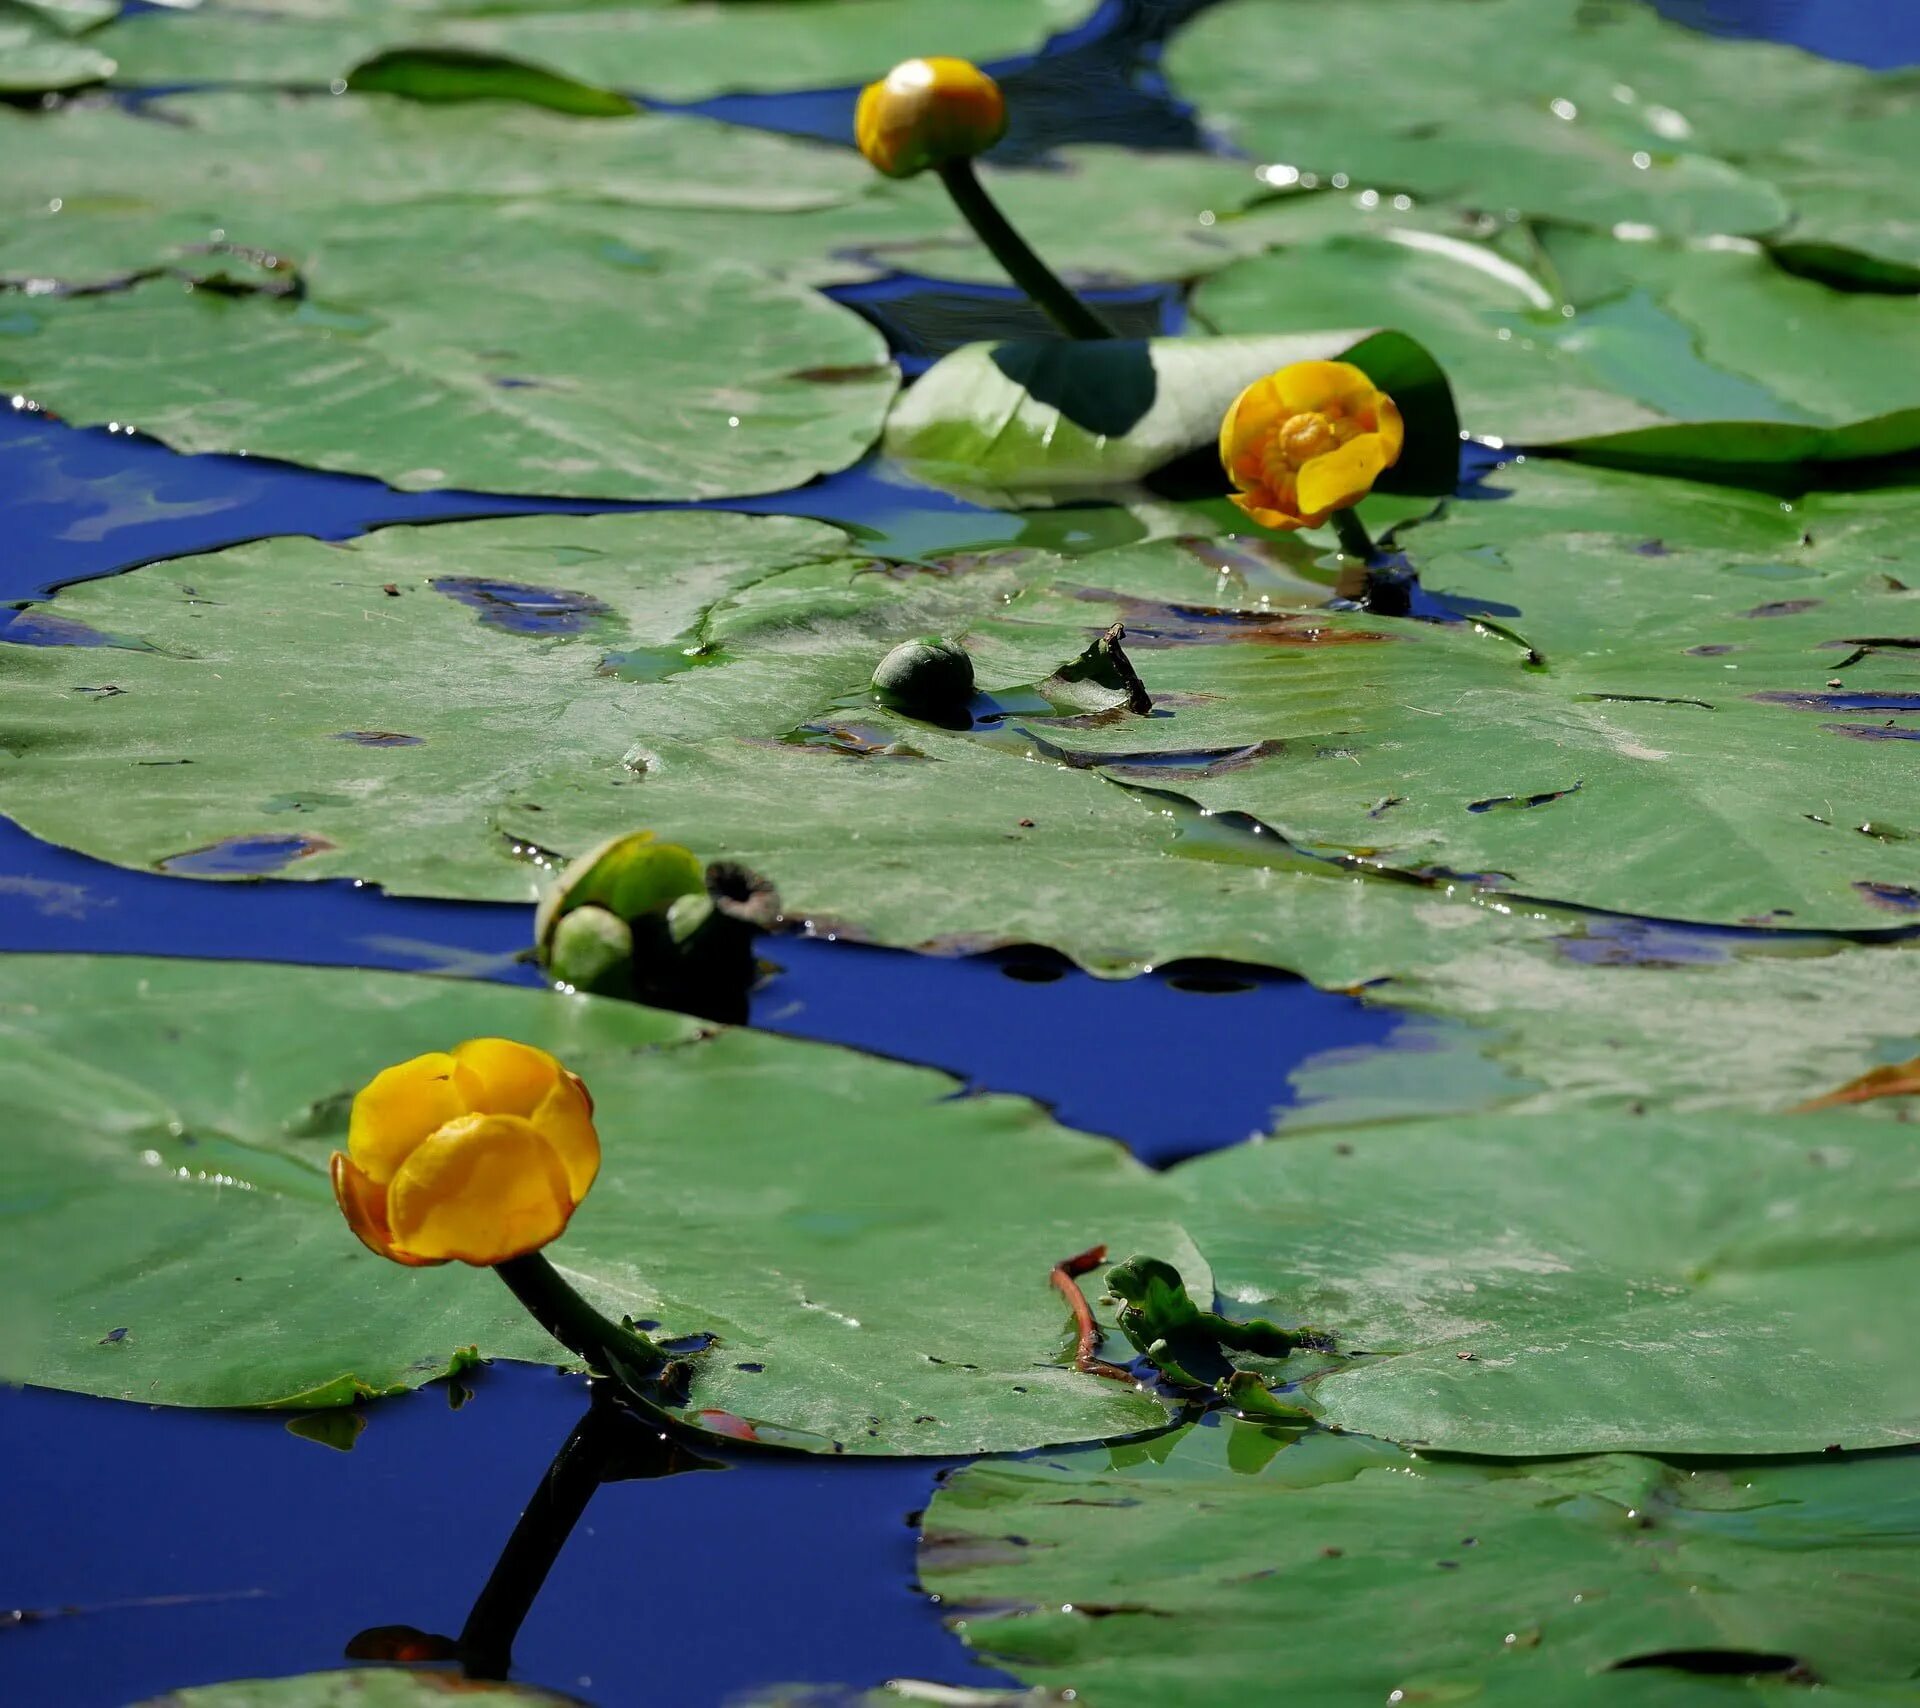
[[670, 52], [871, 1252], [1638, 352], [1243, 1564], [1594, 1279]]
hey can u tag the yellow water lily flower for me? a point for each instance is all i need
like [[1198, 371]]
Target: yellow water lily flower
[[927, 112], [1307, 441], [479, 1154]]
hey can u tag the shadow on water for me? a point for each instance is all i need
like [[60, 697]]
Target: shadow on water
[[183, 1547]]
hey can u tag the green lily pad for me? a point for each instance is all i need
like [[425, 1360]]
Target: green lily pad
[[1594, 1279], [37, 54], [360, 1687], [722, 699], [1854, 219], [562, 367], [1056, 419], [669, 52], [1638, 353], [707, 677], [1607, 116], [1245, 1564], [216, 158], [1104, 216], [175, 1241]]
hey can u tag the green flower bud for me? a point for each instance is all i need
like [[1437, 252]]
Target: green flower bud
[[930, 677], [590, 946]]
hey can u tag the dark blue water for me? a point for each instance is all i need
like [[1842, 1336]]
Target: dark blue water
[[154, 1549], [1023, 1022], [162, 1548]]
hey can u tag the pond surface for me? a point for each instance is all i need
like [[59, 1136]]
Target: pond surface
[[154, 1548]]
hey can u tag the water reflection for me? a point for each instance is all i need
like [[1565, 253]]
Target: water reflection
[[173, 1547]]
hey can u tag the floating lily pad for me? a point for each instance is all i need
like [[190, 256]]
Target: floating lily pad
[[1590, 1280], [1242, 1563], [666, 51], [571, 679], [565, 367], [220, 156], [1636, 352], [177, 1242], [1054, 419], [721, 697], [1603, 115], [1105, 216]]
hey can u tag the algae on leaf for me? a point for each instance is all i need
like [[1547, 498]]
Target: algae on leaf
[[1238, 1563], [175, 1240]]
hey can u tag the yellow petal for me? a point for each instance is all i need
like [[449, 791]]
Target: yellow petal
[[1341, 477], [1314, 385], [1267, 518], [399, 1108], [365, 1206], [1393, 431], [511, 1078], [565, 1121], [1246, 427], [483, 1189]]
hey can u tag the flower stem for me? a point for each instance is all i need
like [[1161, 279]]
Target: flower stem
[[610, 1348], [1355, 541], [1011, 250]]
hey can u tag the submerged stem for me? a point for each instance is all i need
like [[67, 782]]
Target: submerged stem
[[1012, 251], [1355, 541]]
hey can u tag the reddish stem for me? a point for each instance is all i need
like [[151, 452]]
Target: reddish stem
[[1085, 1353]]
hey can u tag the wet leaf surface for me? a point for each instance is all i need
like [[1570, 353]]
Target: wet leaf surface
[[1610, 1278], [668, 52], [1161, 1574]]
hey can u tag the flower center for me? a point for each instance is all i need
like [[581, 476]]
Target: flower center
[[1312, 433]]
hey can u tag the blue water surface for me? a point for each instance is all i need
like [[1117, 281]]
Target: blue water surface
[[155, 1548]]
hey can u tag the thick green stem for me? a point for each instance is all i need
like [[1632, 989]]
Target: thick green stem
[[1010, 249], [609, 1347], [1355, 541]]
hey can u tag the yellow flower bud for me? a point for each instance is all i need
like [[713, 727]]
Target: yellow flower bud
[[926, 112], [478, 1154], [1308, 441]]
